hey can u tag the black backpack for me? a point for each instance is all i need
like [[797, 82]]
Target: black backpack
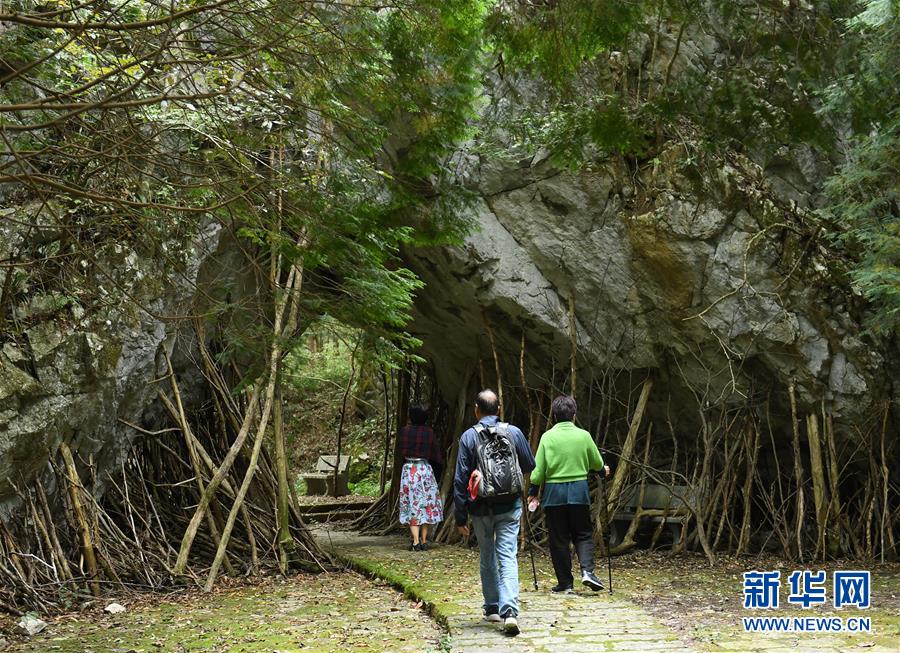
[[497, 460]]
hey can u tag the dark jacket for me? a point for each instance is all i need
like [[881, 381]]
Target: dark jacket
[[465, 465], [419, 441]]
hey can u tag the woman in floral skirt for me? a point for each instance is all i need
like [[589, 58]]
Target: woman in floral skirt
[[420, 500]]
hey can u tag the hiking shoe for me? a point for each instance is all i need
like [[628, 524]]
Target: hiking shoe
[[492, 617], [511, 626], [423, 546], [589, 580], [562, 589]]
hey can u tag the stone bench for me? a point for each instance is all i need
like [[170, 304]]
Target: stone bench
[[660, 505], [322, 480]]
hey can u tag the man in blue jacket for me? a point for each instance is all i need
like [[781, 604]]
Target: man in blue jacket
[[496, 523]]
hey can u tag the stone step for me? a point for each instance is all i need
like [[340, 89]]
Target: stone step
[[331, 516], [316, 508]]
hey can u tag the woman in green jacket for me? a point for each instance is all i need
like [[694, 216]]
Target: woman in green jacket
[[564, 457]]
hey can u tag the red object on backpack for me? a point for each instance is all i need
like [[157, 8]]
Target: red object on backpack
[[474, 482]]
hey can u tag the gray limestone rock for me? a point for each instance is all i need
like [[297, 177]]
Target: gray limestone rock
[[703, 285], [31, 625], [706, 276], [79, 377]]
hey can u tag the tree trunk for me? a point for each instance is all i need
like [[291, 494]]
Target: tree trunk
[[573, 343], [401, 411], [340, 433], [66, 572], [456, 427], [191, 532], [87, 542], [628, 541], [502, 408], [177, 413], [628, 448], [752, 447], [886, 528], [798, 471], [836, 516], [291, 292], [818, 478], [387, 430], [282, 512]]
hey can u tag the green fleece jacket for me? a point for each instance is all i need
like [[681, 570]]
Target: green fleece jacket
[[566, 453]]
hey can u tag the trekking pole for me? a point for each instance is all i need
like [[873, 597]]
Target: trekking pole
[[606, 530], [530, 536]]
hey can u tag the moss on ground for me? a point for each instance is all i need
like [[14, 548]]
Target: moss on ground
[[327, 612], [445, 579], [706, 604], [346, 612], [700, 605]]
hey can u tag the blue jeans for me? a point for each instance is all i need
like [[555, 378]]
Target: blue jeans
[[498, 539]]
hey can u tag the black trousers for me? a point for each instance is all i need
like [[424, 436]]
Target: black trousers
[[570, 523]]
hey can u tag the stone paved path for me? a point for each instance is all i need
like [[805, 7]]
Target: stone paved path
[[585, 621], [447, 578], [580, 623]]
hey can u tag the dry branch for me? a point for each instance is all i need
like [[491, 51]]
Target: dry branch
[[798, 471], [87, 540], [627, 454]]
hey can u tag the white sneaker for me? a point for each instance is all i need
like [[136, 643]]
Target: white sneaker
[[511, 626], [493, 618], [588, 579]]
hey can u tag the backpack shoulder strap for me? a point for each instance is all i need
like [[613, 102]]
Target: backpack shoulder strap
[[501, 428]]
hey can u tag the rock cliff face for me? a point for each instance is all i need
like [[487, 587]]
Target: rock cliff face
[[76, 375], [708, 276], [707, 273]]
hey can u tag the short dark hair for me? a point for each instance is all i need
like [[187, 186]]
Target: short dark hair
[[418, 414], [563, 408], [487, 402]]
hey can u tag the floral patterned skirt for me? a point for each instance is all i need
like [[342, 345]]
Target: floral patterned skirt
[[420, 501]]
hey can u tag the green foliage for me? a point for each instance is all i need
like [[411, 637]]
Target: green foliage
[[322, 131], [318, 131], [367, 487], [617, 77], [601, 123], [326, 367], [316, 376], [555, 39], [865, 192]]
